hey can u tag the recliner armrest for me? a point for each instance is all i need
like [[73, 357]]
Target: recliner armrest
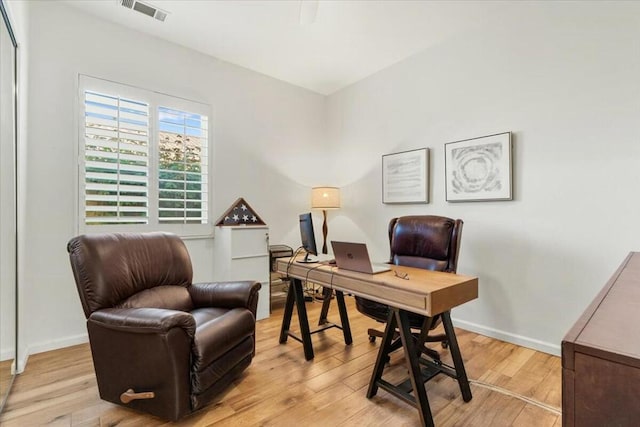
[[144, 320], [226, 294]]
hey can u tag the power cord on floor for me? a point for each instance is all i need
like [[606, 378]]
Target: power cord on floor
[[526, 399], [489, 386]]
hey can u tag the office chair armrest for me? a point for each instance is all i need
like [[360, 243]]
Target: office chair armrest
[[226, 294], [143, 320]]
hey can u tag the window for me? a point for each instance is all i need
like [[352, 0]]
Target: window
[[182, 176], [144, 162], [116, 160]]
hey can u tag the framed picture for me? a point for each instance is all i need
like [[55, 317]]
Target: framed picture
[[479, 169], [405, 177]]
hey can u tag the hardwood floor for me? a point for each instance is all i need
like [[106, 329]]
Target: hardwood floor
[[280, 388], [5, 378]]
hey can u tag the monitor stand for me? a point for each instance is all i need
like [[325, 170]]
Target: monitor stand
[[316, 259], [307, 260]]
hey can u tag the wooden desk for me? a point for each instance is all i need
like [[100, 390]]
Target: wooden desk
[[425, 292]]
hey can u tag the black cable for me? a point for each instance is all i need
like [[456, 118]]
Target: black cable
[[333, 273], [290, 262], [293, 258], [306, 279]]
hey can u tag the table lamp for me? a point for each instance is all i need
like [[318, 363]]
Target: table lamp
[[325, 198]]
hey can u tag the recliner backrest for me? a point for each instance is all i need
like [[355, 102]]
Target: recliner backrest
[[425, 241], [111, 268]]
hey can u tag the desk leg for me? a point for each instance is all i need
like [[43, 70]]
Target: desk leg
[[295, 296], [422, 339], [411, 355], [305, 333], [326, 302], [461, 374], [383, 352], [288, 311], [344, 318]]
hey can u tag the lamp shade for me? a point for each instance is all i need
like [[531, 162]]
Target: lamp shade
[[325, 197]]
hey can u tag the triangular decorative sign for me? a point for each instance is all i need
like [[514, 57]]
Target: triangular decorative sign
[[240, 213]]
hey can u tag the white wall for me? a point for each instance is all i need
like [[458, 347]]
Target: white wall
[[564, 79], [262, 127]]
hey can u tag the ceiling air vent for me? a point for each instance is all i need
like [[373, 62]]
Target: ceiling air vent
[[145, 8]]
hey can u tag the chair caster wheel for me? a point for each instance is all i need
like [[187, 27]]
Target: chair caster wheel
[[372, 338]]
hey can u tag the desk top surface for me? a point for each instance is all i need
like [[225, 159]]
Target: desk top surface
[[424, 292]]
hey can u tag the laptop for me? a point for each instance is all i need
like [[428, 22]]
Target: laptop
[[355, 257]]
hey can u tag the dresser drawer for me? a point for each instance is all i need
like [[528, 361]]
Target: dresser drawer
[[250, 268]]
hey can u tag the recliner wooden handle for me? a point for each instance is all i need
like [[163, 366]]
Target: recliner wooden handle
[[130, 395]]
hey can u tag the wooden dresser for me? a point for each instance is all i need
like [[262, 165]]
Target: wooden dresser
[[601, 355]]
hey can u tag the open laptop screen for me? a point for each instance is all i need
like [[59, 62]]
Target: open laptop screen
[[355, 257]]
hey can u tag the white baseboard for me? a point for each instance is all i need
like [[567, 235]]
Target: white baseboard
[[10, 354], [56, 344], [520, 340], [24, 352], [22, 362]]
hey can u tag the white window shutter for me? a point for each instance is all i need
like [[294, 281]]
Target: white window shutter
[[116, 160], [183, 186]]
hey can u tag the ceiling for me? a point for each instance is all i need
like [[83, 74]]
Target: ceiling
[[348, 41]]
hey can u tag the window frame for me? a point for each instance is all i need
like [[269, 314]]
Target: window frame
[[155, 100]]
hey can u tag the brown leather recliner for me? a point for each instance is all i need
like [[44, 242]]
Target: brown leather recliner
[[422, 241], [173, 344]]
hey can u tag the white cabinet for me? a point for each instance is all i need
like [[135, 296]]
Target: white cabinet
[[242, 253]]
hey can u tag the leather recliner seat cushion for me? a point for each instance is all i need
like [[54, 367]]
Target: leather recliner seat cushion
[[169, 297]]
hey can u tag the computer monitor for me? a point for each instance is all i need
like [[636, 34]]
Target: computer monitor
[[307, 236]]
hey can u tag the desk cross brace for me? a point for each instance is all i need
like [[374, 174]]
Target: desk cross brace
[[295, 296], [325, 326], [398, 318]]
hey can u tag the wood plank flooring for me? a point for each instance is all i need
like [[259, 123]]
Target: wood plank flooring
[[280, 388], [5, 379]]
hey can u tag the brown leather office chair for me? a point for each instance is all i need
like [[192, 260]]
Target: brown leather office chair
[[424, 241], [160, 344]]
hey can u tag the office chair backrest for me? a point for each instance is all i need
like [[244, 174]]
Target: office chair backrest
[[119, 270], [425, 241]]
